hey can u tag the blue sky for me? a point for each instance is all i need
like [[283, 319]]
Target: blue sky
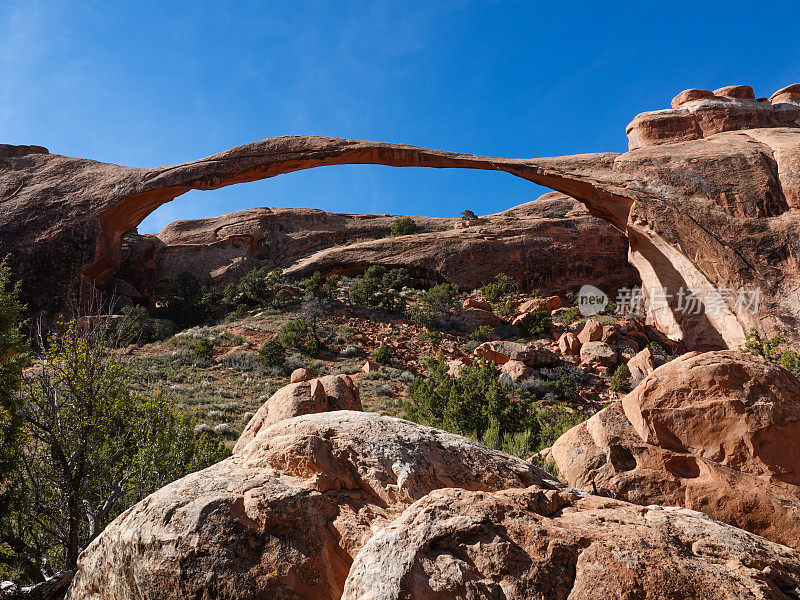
[[156, 83]]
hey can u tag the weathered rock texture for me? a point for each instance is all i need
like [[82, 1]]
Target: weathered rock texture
[[332, 392], [713, 212], [285, 515], [552, 243], [534, 543], [717, 432], [698, 114], [358, 505]]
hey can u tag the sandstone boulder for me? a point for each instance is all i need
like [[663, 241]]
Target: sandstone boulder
[[475, 303], [332, 392], [298, 375], [500, 352], [370, 366], [592, 331], [569, 344], [598, 354], [285, 516], [641, 365], [717, 432], [514, 371], [534, 543], [472, 318], [548, 304]]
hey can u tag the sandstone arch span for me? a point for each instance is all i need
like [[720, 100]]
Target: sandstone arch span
[[63, 218]]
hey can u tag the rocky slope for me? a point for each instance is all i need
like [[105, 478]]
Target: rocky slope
[[356, 505], [712, 211], [552, 243], [717, 432]]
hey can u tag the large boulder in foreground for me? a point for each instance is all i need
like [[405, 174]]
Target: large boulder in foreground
[[357, 505], [717, 432], [534, 543], [285, 517]]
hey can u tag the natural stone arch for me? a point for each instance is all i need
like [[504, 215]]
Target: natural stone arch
[[99, 203]]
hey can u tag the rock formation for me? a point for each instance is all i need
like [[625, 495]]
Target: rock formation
[[713, 212], [534, 543], [552, 243], [286, 514], [309, 396], [717, 432], [356, 505]]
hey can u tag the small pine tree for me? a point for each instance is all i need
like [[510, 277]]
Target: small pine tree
[[272, 354], [403, 226], [621, 380], [468, 215], [382, 355]]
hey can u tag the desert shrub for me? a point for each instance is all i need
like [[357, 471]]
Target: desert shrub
[[476, 404], [383, 389], [301, 334], [380, 288], [502, 286], [242, 361], [137, 327], [422, 316], [382, 355], [203, 349], [352, 352], [555, 421], [790, 360], [536, 324], [185, 302], [257, 288], [430, 336], [321, 287], [765, 347], [403, 226], [441, 297], [468, 215], [621, 380], [122, 446], [293, 334], [482, 334], [13, 358], [656, 349], [611, 308], [566, 317]]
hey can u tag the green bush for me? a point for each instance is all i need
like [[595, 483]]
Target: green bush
[[13, 358], [320, 287], [272, 354], [422, 316], [765, 347], [468, 215], [185, 302], [566, 317], [790, 360], [382, 355], [484, 333], [138, 328], [294, 334], [121, 447], [536, 324], [502, 285], [621, 380], [203, 349], [403, 226], [380, 288], [441, 297]]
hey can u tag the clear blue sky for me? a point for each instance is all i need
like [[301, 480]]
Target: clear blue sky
[[156, 83]]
